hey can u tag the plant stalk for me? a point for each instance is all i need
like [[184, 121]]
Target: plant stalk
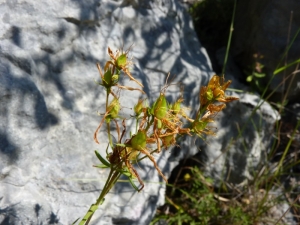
[[110, 182]]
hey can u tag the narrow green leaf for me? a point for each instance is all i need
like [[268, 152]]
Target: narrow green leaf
[[259, 75], [75, 221], [132, 184], [107, 164], [125, 173], [101, 166], [285, 67]]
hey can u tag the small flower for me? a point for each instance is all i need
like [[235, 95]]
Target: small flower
[[215, 91]]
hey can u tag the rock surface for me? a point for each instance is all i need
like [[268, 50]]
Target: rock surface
[[49, 103]]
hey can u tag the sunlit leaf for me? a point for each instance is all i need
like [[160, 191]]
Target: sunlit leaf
[[107, 164]]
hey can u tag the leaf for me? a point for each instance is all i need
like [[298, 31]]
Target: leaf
[[75, 221], [101, 166], [126, 173], [285, 67], [259, 75], [107, 164], [132, 184]]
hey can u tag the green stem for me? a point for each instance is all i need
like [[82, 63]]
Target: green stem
[[107, 123], [110, 182], [229, 39], [279, 167]]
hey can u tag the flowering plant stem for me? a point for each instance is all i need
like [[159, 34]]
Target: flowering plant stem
[[110, 182], [161, 124]]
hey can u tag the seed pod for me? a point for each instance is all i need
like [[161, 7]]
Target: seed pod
[[131, 153], [177, 106], [159, 124], [138, 108], [121, 61], [168, 140], [114, 109], [160, 107], [138, 141], [109, 80]]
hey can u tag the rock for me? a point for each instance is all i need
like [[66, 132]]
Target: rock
[[271, 27], [49, 102], [242, 141]]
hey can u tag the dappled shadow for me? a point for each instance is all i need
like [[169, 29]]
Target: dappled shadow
[[9, 214], [147, 202], [8, 148], [10, 217], [16, 94], [150, 63], [21, 74], [49, 66]]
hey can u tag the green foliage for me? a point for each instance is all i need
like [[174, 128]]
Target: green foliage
[[194, 200], [197, 203], [255, 74], [162, 124]]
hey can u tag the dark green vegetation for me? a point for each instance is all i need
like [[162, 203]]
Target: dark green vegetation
[[191, 198]]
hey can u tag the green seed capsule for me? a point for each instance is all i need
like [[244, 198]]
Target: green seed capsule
[[160, 107], [176, 107], [121, 61], [109, 79], [138, 141], [115, 78], [168, 140], [159, 124], [139, 107], [114, 108]]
